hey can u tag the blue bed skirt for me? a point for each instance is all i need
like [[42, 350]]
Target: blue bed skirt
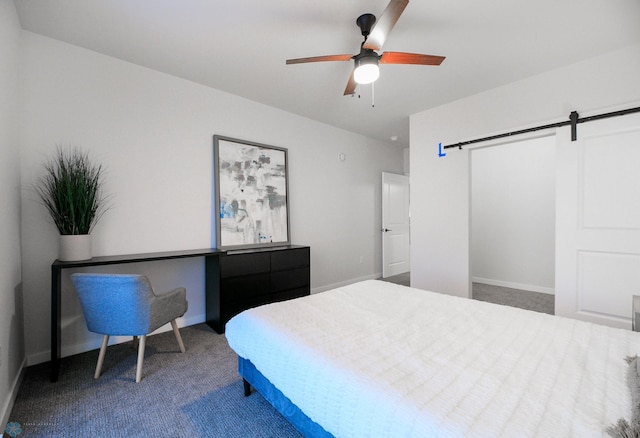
[[290, 411]]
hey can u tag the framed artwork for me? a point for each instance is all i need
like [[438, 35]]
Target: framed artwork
[[251, 194]]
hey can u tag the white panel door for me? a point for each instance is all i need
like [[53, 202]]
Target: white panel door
[[598, 221], [395, 224]]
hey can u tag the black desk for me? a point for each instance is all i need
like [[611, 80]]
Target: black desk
[[211, 256]]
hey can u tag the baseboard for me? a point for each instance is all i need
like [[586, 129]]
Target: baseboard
[[512, 285], [327, 287], [11, 398]]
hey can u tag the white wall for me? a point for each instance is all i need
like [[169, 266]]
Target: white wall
[[153, 132], [513, 214], [11, 334], [440, 185]]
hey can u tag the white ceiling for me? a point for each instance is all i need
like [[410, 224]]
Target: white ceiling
[[240, 46]]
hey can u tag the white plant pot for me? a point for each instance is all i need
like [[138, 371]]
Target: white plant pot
[[74, 247]]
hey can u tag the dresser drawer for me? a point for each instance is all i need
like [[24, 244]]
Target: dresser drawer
[[290, 294], [241, 288], [244, 264], [291, 279], [292, 258]]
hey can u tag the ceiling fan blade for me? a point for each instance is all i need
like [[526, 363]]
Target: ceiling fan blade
[[385, 23], [410, 58], [320, 59], [351, 86]]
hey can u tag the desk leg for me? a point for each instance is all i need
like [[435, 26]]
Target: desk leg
[[212, 293], [56, 295]]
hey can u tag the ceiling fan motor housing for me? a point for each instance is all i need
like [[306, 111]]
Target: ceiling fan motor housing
[[366, 56]]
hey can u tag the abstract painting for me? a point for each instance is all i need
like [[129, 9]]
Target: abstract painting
[[251, 186]]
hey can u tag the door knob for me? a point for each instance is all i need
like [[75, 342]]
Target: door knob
[[386, 230]]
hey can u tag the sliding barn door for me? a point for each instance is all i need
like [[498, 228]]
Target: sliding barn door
[[598, 221]]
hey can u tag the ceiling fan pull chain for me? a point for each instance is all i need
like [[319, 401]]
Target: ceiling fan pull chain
[[373, 96]]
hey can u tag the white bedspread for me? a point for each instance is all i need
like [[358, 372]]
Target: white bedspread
[[375, 359]]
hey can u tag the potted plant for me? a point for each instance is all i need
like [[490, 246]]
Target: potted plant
[[71, 190]]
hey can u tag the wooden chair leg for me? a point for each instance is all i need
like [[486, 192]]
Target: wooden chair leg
[[103, 350], [143, 341], [177, 333]]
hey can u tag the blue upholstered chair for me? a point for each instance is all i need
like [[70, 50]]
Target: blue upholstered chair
[[126, 305]]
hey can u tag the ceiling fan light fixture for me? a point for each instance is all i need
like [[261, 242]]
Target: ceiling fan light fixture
[[366, 69]]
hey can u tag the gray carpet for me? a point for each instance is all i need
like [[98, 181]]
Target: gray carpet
[[524, 299], [403, 279], [195, 394]]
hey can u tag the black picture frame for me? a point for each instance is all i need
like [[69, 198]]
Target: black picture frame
[[251, 186]]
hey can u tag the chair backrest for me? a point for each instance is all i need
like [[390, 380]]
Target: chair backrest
[[115, 304]]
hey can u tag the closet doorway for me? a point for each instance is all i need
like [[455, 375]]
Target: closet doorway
[[513, 223]]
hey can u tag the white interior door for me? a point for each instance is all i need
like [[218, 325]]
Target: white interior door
[[395, 224], [598, 221]]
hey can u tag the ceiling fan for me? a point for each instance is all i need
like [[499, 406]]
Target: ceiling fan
[[375, 33]]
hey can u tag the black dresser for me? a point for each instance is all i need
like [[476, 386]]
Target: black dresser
[[252, 277]]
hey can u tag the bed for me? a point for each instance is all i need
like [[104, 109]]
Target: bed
[[383, 360]]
